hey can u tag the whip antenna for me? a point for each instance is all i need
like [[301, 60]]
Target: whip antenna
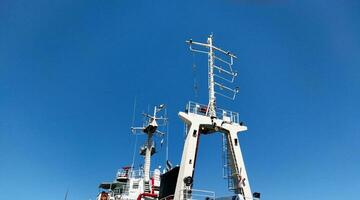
[[132, 124], [167, 138], [66, 194]]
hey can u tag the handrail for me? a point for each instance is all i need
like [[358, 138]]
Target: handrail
[[237, 197], [168, 197], [132, 173], [201, 109], [195, 194]]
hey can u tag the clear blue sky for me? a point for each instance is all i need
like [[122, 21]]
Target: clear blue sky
[[70, 70]]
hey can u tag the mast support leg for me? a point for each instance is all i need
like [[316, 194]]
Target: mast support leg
[[196, 124]]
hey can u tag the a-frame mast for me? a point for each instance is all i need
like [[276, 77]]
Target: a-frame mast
[[207, 119]]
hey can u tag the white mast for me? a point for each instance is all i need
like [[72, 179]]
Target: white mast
[[203, 120], [211, 82], [147, 158], [149, 129], [211, 110]]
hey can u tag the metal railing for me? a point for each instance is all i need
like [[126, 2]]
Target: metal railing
[[236, 197], [200, 109], [194, 194], [132, 173], [118, 189]]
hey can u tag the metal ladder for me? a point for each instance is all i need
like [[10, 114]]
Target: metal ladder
[[228, 171], [146, 186]]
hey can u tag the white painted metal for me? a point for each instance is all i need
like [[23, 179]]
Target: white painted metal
[[131, 184], [211, 74], [240, 178], [210, 121], [147, 158], [187, 165], [199, 123], [199, 119], [134, 187], [211, 82], [150, 129], [157, 179]]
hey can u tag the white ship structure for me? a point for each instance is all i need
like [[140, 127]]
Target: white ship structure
[[139, 183], [176, 183]]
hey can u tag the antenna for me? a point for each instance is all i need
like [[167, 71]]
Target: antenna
[[66, 194], [217, 73], [167, 139], [136, 137]]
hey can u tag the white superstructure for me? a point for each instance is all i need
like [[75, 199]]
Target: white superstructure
[[208, 119], [131, 184], [176, 182]]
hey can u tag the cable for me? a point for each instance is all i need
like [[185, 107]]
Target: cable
[[196, 88]]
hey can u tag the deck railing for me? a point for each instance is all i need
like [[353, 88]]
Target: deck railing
[[194, 194], [200, 109], [132, 173], [235, 197]]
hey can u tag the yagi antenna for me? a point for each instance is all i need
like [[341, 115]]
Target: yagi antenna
[[220, 71]]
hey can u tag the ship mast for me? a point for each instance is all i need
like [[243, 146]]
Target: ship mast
[[150, 129], [211, 82], [211, 110], [209, 119]]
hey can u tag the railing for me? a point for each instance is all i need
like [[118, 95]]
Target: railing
[[117, 190], [237, 197], [169, 197], [132, 173], [200, 109], [193, 194]]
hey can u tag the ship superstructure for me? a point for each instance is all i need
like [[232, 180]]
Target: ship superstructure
[[176, 183], [137, 184], [208, 119]]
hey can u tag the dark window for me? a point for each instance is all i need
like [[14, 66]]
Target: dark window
[[194, 133]]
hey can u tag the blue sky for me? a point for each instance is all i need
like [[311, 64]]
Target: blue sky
[[69, 73]]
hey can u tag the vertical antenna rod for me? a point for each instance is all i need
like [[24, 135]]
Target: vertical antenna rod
[[211, 81]]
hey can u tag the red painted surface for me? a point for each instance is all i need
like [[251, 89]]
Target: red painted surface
[[146, 195], [152, 185]]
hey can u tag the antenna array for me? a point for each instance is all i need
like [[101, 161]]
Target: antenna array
[[220, 72]]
